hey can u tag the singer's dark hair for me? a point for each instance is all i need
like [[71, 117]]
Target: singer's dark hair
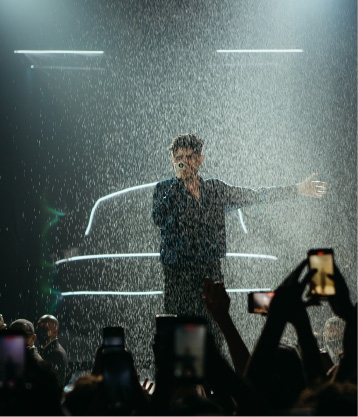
[[185, 141]]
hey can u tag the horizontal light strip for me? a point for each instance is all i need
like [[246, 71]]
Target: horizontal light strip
[[130, 293], [107, 256], [74, 293], [107, 197], [251, 255], [153, 255], [54, 67], [259, 51], [248, 289], [63, 52]]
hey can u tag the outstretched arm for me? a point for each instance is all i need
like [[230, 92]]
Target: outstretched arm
[[236, 197], [310, 188]]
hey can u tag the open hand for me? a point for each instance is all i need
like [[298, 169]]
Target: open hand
[[310, 188]]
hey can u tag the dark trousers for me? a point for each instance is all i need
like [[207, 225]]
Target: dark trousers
[[183, 290]]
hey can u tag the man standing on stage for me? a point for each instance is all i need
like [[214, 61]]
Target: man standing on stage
[[190, 213]]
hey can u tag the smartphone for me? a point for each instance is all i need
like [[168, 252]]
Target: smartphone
[[113, 338], [189, 349], [322, 260], [120, 379], [259, 301], [12, 359], [164, 324]]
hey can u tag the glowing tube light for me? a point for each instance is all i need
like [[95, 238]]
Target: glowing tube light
[[251, 255], [248, 289], [56, 52], [107, 197], [106, 256], [259, 51], [126, 190], [58, 67], [153, 255], [75, 293], [241, 218], [141, 293]]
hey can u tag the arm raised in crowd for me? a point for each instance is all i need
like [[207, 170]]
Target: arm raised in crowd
[[286, 306], [343, 307], [217, 302]]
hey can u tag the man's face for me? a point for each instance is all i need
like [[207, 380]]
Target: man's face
[[50, 327], [191, 162]]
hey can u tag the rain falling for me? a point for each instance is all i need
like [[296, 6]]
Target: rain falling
[[93, 92]]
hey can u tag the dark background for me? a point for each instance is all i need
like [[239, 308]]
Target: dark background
[[76, 128]]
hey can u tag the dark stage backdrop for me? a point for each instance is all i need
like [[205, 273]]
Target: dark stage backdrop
[[76, 128]]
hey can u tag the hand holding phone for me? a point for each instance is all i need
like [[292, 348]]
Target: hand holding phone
[[12, 359]]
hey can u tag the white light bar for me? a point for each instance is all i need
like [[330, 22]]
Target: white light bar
[[62, 68], [51, 52], [248, 289], [126, 190], [107, 197], [241, 218], [251, 255], [106, 256], [136, 293], [153, 255], [259, 51], [72, 293]]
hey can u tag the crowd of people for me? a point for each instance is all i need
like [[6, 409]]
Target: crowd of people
[[275, 379]]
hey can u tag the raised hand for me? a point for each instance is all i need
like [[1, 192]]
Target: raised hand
[[216, 299], [340, 302], [148, 386], [217, 303], [310, 188], [287, 302]]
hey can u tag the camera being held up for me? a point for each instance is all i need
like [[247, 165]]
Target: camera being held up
[[322, 283], [121, 385], [181, 341], [259, 301]]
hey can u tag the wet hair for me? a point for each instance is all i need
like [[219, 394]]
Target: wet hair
[[23, 326], [48, 318], [187, 141]]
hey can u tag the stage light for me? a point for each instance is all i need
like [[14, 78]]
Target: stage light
[[106, 256], [140, 293], [56, 52], [153, 255], [241, 218], [107, 197], [247, 289], [119, 293]]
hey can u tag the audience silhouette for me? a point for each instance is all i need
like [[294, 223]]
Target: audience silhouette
[[276, 378]]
